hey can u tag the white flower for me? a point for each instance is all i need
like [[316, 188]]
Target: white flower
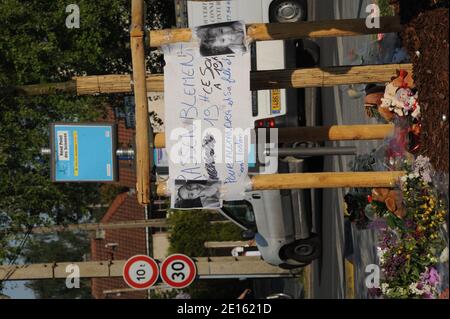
[[413, 289], [413, 175], [398, 111], [386, 102], [385, 288]]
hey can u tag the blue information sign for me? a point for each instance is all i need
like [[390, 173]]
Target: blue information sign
[[83, 152]]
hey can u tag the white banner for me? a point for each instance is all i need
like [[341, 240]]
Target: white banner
[[208, 116]]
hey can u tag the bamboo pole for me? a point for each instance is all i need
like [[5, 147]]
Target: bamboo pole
[[319, 133], [128, 224], [325, 76], [289, 31], [229, 244], [141, 103], [259, 80], [207, 267], [43, 88], [315, 180], [335, 133]]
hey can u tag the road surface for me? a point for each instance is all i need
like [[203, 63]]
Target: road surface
[[328, 274]]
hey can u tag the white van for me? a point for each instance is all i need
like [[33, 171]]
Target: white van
[[268, 106]]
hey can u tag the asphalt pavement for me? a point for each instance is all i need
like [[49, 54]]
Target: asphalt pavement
[[328, 273]]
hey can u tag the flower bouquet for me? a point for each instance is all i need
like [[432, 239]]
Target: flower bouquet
[[411, 241]]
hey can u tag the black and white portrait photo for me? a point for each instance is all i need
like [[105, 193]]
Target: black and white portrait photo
[[197, 194], [222, 38]]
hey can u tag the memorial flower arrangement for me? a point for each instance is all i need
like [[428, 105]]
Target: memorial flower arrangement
[[411, 243], [397, 102]]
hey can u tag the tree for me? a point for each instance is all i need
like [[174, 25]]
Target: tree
[[37, 47], [58, 248], [189, 229]]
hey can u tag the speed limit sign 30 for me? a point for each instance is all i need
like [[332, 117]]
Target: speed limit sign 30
[[178, 271], [140, 272]]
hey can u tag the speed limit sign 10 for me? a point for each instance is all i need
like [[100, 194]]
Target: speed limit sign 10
[[140, 272], [178, 271]]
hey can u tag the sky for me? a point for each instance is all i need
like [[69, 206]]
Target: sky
[[17, 290]]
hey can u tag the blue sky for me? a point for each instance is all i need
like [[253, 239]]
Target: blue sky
[[17, 290]]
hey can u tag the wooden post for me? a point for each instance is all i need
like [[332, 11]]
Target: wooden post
[[140, 94], [289, 31], [43, 89], [128, 224], [228, 244], [325, 76], [207, 267], [315, 180], [335, 133], [259, 80], [319, 133]]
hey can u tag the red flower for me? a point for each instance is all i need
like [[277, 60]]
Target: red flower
[[369, 198]]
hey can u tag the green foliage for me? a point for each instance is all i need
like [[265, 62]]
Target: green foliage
[[60, 248], [36, 46], [189, 229], [27, 195]]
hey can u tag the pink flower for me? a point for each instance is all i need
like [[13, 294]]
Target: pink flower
[[434, 276]]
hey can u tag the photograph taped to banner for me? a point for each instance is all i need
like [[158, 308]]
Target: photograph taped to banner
[[221, 38], [197, 194]]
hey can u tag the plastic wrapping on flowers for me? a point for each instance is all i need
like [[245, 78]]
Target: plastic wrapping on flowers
[[410, 221]]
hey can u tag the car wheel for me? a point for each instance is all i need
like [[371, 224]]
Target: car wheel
[[287, 11], [304, 250]]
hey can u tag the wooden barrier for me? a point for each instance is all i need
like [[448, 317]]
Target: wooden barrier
[[141, 103], [315, 180], [289, 31], [319, 133], [259, 80]]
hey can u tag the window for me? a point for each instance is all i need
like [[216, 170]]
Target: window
[[240, 211]]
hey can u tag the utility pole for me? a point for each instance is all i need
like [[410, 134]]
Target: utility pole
[[259, 80], [129, 224], [207, 268], [228, 244]]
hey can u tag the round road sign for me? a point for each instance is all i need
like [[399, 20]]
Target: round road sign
[[178, 271], [140, 272]]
